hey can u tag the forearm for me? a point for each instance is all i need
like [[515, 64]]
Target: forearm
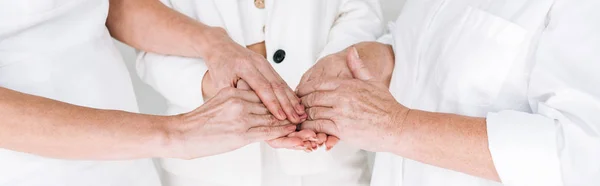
[[446, 140], [151, 26], [49, 128]]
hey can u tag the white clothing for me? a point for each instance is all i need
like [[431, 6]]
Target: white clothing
[[306, 31], [529, 66], [61, 49], [253, 20]]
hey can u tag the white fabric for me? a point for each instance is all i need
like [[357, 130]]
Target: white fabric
[[306, 30], [61, 49], [253, 22], [529, 66]]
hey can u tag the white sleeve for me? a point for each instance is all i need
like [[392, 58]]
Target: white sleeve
[[559, 142], [178, 79], [359, 20]]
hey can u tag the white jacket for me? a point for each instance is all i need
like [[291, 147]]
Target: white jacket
[[306, 30], [529, 66]]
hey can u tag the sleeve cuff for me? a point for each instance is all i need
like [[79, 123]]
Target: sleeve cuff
[[524, 148]]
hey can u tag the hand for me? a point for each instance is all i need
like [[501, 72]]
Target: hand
[[229, 62], [377, 57], [305, 140], [360, 111], [232, 119]]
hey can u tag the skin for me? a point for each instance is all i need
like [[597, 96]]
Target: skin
[[335, 66], [363, 112], [173, 33], [56, 129], [306, 140]]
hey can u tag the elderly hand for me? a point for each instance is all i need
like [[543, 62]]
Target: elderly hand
[[232, 119], [306, 140], [229, 62], [360, 111]]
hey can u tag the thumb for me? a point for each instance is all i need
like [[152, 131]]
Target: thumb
[[357, 66]]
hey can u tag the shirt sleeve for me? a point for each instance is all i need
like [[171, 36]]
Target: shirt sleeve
[[358, 21], [177, 79], [559, 142]]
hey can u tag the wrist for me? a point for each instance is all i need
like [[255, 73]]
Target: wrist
[[169, 137], [400, 120], [207, 39]]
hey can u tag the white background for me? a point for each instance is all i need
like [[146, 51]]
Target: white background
[[152, 103]]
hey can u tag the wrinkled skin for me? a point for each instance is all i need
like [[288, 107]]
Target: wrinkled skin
[[229, 62], [306, 140], [360, 111], [234, 118]]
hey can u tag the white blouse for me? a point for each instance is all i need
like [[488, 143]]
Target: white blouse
[[253, 21]]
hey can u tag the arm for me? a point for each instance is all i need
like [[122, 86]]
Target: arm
[[55, 129], [556, 144], [358, 21], [171, 32], [50, 128], [151, 26]]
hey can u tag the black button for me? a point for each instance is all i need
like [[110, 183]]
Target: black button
[[279, 56]]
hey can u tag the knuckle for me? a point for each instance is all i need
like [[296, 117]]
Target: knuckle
[[235, 103], [278, 85]]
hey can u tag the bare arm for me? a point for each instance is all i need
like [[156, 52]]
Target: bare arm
[[426, 136], [461, 141], [151, 26], [50, 128], [55, 129]]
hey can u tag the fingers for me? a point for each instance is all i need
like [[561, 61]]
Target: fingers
[[286, 97], [243, 85], [265, 91], [306, 135], [318, 85], [320, 113], [321, 138], [319, 99], [296, 101], [287, 143], [331, 141], [357, 66], [257, 134], [267, 120], [286, 104], [321, 126], [258, 109]]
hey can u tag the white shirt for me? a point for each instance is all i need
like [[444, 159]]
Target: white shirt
[[529, 66], [61, 49], [253, 22]]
